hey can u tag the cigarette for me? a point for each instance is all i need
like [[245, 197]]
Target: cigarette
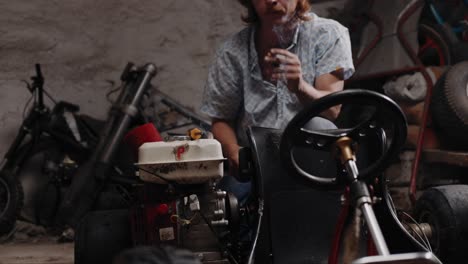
[[278, 64]]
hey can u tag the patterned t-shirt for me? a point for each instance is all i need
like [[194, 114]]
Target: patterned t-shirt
[[236, 91]]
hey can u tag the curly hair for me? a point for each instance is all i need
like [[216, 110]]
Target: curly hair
[[303, 7]]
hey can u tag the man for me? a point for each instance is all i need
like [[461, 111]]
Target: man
[[285, 58]]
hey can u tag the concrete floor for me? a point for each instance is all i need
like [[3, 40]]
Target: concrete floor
[[37, 253], [31, 243]]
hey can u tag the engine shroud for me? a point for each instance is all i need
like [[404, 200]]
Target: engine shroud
[[183, 162]]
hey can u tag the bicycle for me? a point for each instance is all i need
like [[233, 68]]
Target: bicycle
[[66, 135], [71, 141], [443, 32]]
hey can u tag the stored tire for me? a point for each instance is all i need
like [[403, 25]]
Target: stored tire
[[445, 208], [12, 197], [101, 235], [47, 204], [11, 201], [450, 106]]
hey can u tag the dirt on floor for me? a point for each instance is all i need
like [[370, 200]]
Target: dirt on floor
[[31, 244]]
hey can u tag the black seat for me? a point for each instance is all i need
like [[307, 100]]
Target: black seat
[[299, 220]]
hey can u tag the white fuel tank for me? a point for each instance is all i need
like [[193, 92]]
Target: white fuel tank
[[184, 162]]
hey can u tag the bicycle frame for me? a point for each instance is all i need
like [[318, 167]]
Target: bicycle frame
[[34, 125], [440, 20], [95, 172]]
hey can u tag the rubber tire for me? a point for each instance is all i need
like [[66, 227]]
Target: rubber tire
[[8, 218], [446, 209], [102, 235], [450, 106], [46, 207], [11, 187], [437, 35]]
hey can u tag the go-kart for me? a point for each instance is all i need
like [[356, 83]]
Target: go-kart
[[318, 194]]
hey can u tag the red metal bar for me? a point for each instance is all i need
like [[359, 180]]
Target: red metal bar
[[374, 42], [335, 248], [413, 55], [385, 74]]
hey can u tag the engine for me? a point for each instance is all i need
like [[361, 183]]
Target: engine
[[180, 205]]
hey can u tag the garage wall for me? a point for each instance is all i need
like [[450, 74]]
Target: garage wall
[[84, 45]]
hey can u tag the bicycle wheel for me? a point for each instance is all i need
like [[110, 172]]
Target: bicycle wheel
[[13, 195], [11, 201]]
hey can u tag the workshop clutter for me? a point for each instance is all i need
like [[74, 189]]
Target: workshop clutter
[[140, 135], [409, 92], [398, 175], [409, 88]]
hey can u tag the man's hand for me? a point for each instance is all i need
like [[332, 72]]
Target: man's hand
[[231, 152], [287, 67], [223, 131]]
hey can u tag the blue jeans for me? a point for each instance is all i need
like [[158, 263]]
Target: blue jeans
[[240, 189]]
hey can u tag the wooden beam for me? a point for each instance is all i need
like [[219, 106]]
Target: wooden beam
[[445, 156]]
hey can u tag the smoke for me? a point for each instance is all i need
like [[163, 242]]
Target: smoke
[[284, 34], [280, 32], [285, 30]]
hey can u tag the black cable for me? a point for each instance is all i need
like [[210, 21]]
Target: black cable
[[26, 106], [257, 232], [49, 96], [43, 90], [112, 91], [28, 85]]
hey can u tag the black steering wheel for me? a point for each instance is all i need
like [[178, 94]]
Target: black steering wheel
[[363, 113]]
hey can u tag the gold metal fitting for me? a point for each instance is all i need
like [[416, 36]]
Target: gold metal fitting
[[195, 133], [346, 150]]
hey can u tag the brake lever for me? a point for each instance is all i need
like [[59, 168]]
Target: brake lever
[[28, 85]]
